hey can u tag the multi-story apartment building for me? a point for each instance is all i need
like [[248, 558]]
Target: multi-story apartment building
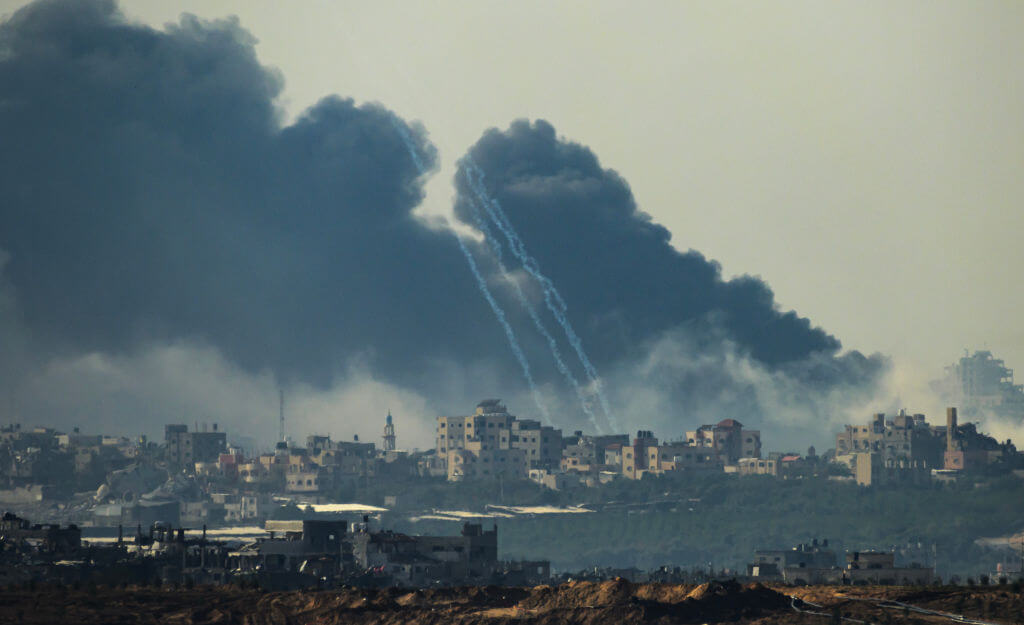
[[541, 444], [490, 425], [981, 384], [729, 440], [342, 457], [491, 442], [184, 448], [904, 437], [475, 462]]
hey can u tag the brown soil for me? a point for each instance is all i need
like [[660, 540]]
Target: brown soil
[[590, 603]]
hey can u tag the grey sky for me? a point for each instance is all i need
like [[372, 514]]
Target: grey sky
[[864, 158]]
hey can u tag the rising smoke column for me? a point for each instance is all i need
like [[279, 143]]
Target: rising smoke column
[[632, 292], [552, 298], [481, 282], [151, 195]]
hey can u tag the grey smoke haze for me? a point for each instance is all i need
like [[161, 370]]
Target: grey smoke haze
[[164, 229]]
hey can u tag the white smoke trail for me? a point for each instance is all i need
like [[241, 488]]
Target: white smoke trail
[[552, 298], [537, 322], [482, 284]]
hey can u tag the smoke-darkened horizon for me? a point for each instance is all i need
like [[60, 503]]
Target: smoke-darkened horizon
[[152, 198]]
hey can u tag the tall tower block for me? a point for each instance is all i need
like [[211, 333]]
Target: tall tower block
[[389, 433]]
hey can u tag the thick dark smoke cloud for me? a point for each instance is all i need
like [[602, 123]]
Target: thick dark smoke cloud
[[150, 191], [628, 289], [151, 195]]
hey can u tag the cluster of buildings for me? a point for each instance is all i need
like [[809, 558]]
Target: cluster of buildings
[[196, 477], [290, 554], [40, 463], [907, 449], [816, 563], [492, 443], [334, 551], [212, 482]]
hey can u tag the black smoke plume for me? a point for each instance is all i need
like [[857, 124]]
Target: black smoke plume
[[151, 194], [629, 290], [150, 191]]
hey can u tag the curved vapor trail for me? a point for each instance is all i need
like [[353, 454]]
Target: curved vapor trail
[[532, 312], [482, 284], [552, 298]]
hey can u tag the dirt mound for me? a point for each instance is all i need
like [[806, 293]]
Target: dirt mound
[[619, 599], [578, 603], [580, 595], [714, 589], [663, 593]]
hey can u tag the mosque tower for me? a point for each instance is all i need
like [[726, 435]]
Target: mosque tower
[[389, 434]]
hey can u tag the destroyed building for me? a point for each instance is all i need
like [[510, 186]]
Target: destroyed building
[[907, 449], [981, 385]]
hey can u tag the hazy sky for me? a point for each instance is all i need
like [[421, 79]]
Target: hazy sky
[[864, 158]]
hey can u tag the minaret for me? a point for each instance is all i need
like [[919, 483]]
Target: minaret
[[389, 434]]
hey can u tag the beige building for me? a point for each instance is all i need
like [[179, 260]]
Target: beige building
[[253, 472], [542, 444], [904, 437], [303, 481], [871, 468], [475, 462], [492, 443], [490, 425], [183, 448], [679, 456], [647, 456], [729, 440], [757, 466]]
